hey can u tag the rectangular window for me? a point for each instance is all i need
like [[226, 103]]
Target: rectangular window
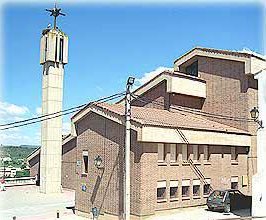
[[161, 153], [185, 188], [184, 152], [234, 182], [206, 153], [46, 49], [234, 154], [61, 51], [173, 189], [192, 69], [196, 188], [161, 190], [207, 187], [195, 152], [85, 160], [56, 46], [173, 153]]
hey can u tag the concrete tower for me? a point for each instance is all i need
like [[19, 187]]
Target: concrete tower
[[54, 55]]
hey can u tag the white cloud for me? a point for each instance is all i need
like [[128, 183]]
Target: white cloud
[[149, 75], [38, 110], [66, 127], [9, 109], [14, 138]]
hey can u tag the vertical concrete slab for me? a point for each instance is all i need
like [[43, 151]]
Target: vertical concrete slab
[[52, 98]]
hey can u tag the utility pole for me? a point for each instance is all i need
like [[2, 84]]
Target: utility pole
[[130, 82]]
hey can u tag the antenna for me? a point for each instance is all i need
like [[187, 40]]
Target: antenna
[[55, 12]]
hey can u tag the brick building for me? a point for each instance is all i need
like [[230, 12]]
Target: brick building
[[191, 132]]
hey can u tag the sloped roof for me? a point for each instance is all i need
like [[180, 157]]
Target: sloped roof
[[225, 52], [165, 118]]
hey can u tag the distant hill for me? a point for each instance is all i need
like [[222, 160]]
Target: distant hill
[[16, 152], [24, 145]]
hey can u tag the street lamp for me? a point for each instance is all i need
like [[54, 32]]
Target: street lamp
[[130, 81], [254, 113], [98, 162]]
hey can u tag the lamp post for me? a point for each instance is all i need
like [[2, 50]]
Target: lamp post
[[98, 162], [254, 113], [130, 82]]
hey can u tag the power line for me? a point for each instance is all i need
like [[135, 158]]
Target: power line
[[58, 114], [182, 109], [43, 116]]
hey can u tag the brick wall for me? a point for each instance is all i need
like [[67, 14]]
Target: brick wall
[[100, 136], [219, 170], [155, 95], [69, 162], [227, 87]]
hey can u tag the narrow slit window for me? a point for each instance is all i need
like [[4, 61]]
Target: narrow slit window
[[195, 152], [46, 49], [61, 50], [206, 153], [85, 162], [173, 153], [234, 154], [56, 46], [184, 152], [161, 153]]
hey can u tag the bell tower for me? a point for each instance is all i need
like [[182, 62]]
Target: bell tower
[[53, 58]]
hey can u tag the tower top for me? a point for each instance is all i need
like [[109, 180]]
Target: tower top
[[55, 12]]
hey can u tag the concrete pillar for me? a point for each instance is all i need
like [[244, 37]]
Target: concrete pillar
[[53, 58], [259, 179]]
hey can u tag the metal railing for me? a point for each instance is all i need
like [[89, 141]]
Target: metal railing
[[21, 181]]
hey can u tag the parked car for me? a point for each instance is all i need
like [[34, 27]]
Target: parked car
[[228, 200]]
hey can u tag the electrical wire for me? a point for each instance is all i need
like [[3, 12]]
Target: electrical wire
[[57, 114]]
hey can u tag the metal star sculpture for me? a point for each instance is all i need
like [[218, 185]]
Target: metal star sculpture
[[55, 12]]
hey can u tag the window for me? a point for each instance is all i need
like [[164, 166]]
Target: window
[[173, 189], [207, 187], [196, 188], [46, 49], [173, 153], [195, 152], [206, 155], [184, 152], [61, 51], [161, 153], [234, 182], [161, 190], [85, 162], [192, 69], [185, 188], [234, 154], [56, 46]]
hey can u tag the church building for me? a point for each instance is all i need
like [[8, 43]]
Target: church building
[[191, 133]]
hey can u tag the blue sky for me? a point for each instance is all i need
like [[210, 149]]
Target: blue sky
[[107, 43]]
